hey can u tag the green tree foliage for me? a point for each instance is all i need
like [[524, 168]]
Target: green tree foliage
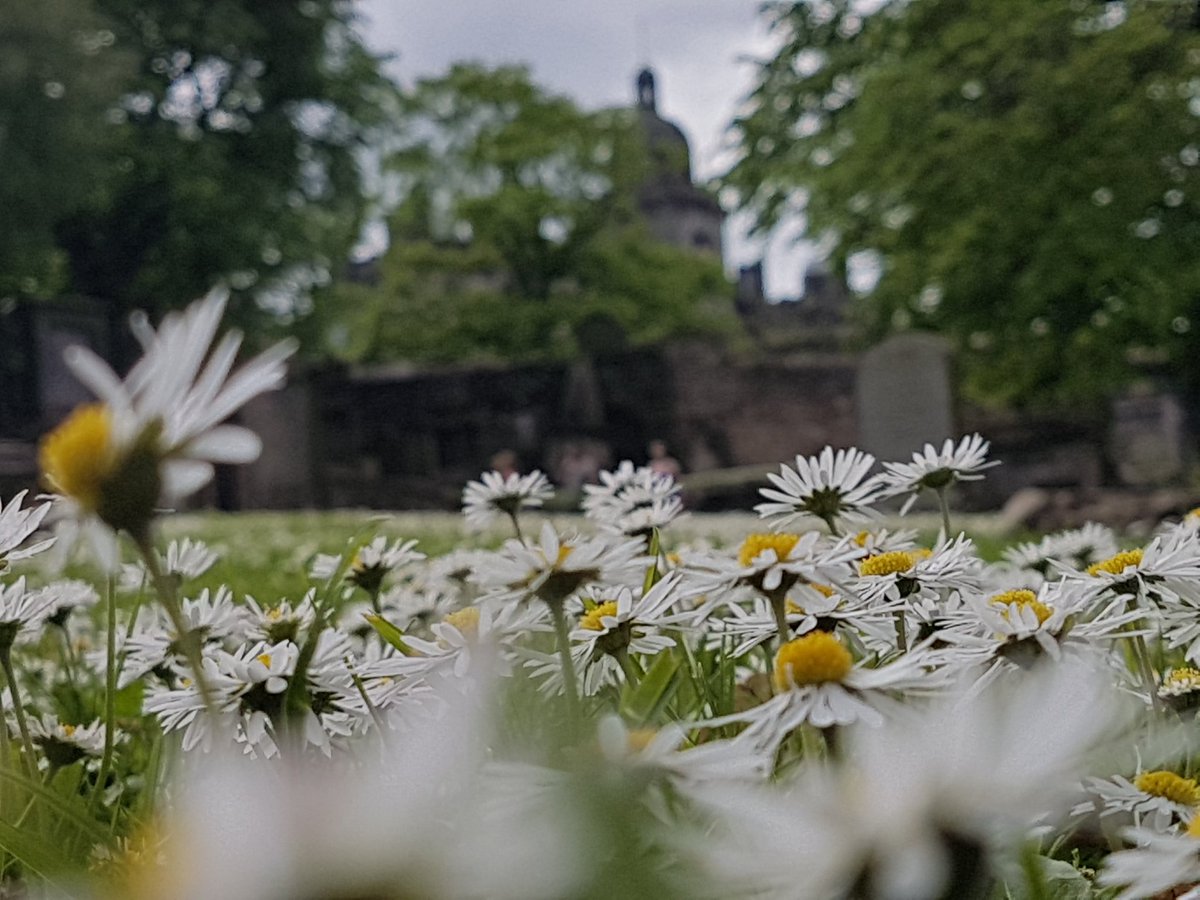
[[59, 74], [519, 230], [232, 151], [1023, 174]]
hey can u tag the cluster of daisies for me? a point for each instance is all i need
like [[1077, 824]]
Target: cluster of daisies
[[826, 708]]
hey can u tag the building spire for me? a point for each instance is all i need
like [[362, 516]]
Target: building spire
[[645, 90]]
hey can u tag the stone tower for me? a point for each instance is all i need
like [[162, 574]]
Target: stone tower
[[678, 211]]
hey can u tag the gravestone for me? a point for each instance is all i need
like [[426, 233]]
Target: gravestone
[[904, 396], [1148, 440]]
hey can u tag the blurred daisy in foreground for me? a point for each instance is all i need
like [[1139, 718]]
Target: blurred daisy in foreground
[[833, 488], [914, 807], [420, 819], [155, 436], [1157, 864]]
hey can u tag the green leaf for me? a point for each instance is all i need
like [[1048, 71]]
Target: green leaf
[[653, 576], [36, 855], [652, 692], [68, 810], [129, 700], [389, 633]]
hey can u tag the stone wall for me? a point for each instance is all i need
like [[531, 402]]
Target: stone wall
[[394, 438]]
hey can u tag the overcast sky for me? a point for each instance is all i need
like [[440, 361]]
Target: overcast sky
[[591, 51]]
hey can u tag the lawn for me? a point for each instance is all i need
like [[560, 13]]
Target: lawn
[[267, 554]]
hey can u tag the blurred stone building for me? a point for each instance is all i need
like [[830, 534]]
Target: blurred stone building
[[678, 211]]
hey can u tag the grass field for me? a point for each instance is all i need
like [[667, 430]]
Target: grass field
[[266, 554]]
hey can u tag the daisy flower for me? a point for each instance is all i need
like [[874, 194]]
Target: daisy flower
[[62, 744], [915, 804], [155, 644], [554, 567], [185, 559], [157, 434], [279, 622], [936, 471], [496, 495], [22, 611], [1157, 800], [829, 487], [419, 818], [66, 596], [920, 574], [1180, 689], [1175, 555], [248, 687], [817, 681], [16, 526], [1076, 548], [808, 607], [1158, 863], [633, 501], [614, 625], [376, 559], [1019, 628], [662, 751]]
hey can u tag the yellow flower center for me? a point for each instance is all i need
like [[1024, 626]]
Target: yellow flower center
[[1193, 514], [1115, 565], [890, 563], [591, 618], [1023, 599], [755, 544], [639, 739], [1183, 680], [862, 537], [815, 658], [78, 456], [1193, 829], [466, 620], [1169, 786], [563, 552], [69, 731], [265, 659], [275, 613]]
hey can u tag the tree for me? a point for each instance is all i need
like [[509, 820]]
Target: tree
[[518, 227], [1023, 175], [60, 72], [234, 154]]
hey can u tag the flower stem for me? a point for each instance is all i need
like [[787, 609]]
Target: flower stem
[[516, 525], [570, 685], [110, 689], [1142, 655], [15, 690], [633, 673], [188, 640], [901, 632], [779, 608], [944, 503]]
